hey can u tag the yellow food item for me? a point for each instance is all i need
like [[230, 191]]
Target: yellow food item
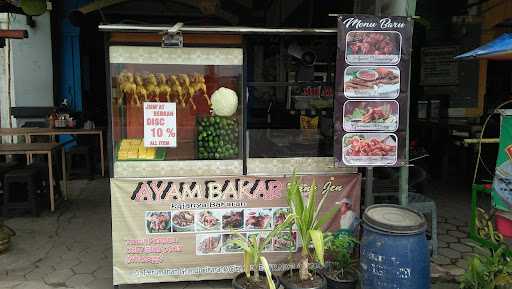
[[133, 149]]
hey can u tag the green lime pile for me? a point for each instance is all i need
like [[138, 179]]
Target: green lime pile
[[217, 138]]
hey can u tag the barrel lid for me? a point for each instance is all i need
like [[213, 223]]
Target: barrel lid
[[394, 218]]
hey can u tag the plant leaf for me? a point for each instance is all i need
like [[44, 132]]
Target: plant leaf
[[279, 228], [247, 264], [503, 279], [266, 267], [309, 211], [242, 244], [295, 197], [317, 238], [320, 205]]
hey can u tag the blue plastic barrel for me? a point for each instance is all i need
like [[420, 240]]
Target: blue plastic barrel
[[394, 249]]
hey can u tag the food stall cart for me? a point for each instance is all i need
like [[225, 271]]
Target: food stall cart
[[198, 152], [500, 49]]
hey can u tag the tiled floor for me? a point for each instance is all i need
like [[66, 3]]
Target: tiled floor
[[453, 201], [72, 249]]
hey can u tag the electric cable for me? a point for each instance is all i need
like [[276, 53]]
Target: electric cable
[[479, 155]]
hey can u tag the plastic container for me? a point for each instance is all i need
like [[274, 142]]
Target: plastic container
[[504, 224], [394, 249]]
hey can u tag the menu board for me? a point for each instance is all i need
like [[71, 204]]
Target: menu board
[[181, 229], [372, 90], [438, 66]]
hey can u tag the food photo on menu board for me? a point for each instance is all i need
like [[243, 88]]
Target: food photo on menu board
[[258, 219], [183, 221], [370, 115], [208, 244], [233, 219], [371, 82], [208, 220], [285, 242], [158, 222], [379, 47], [228, 244], [369, 149]]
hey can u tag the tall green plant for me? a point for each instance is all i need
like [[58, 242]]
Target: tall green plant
[[253, 247], [306, 216]]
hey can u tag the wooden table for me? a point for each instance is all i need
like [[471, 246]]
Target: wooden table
[[44, 149], [28, 132]]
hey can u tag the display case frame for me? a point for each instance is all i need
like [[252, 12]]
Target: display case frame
[[156, 168], [245, 166]]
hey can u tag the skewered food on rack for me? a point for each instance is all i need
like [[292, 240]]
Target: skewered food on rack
[[128, 88], [176, 89], [189, 97], [141, 92], [163, 89], [184, 89], [199, 85], [152, 87], [183, 79]]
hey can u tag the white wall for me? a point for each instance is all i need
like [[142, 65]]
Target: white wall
[[31, 63], [5, 98]]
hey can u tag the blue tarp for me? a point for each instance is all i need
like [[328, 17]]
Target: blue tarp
[[498, 48]]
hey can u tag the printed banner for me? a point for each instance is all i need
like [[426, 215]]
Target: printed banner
[[502, 185], [372, 90], [180, 229]]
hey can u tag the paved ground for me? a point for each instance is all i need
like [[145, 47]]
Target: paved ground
[[455, 249], [72, 249]]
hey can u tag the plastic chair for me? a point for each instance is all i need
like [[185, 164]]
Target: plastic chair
[[426, 205]]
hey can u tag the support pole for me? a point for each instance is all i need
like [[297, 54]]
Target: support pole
[[404, 185], [368, 197]]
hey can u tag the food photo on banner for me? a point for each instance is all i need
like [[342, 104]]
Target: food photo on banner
[[372, 90], [182, 228]]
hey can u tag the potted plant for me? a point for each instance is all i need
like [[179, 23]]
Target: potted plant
[[342, 271], [307, 219], [492, 270], [253, 247]]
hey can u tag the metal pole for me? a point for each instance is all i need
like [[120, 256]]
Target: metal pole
[[410, 10], [217, 29], [368, 196], [402, 8]]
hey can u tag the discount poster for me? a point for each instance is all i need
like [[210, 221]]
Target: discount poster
[[372, 90], [160, 124], [181, 229]]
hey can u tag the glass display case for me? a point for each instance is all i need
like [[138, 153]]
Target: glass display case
[[271, 114], [204, 86], [290, 104]]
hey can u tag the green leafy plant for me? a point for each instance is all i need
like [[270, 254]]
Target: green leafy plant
[[253, 247], [306, 216], [491, 270], [339, 249]]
